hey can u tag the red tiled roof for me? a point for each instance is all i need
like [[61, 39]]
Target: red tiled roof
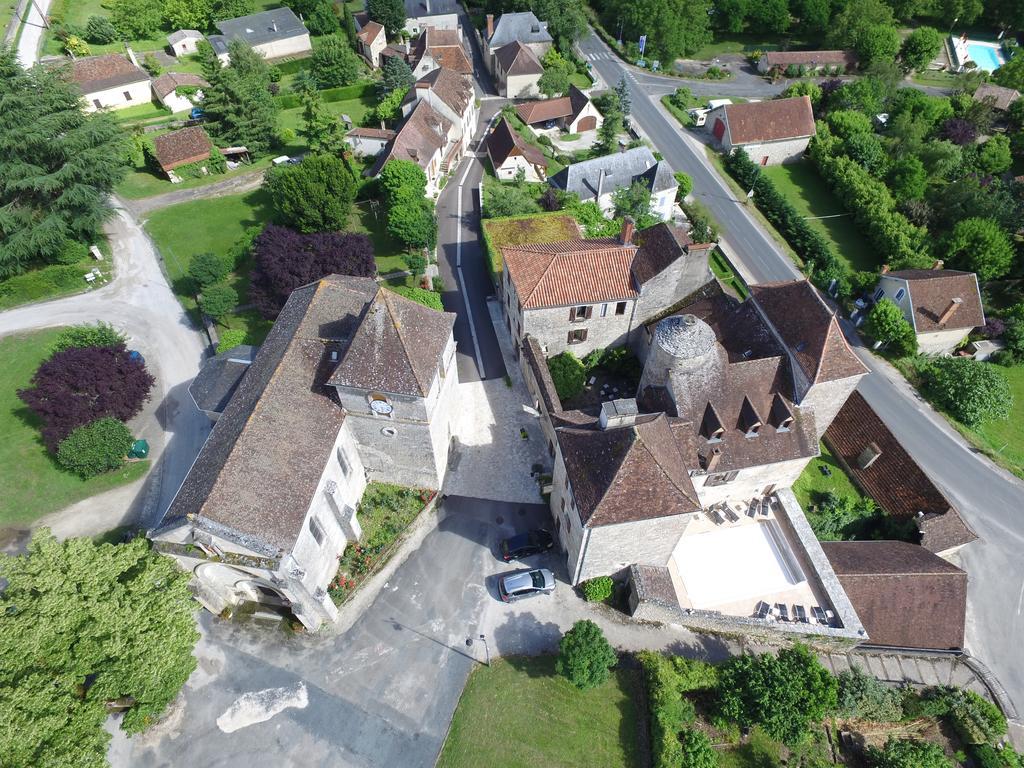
[[773, 120], [370, 31], [188, 145], [445, 46], [372, 133], [932, 291], [503, 142], [169, 81], [571, 272], [97, 73], [541, 111]]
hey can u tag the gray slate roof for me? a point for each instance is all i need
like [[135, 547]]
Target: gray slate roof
[[259, 28], [417, 8], [219, 378], [184, 34], [621, 170], [524, 27], [257, 472]]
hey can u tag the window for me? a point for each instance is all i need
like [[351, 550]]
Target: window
[[721, 478], [345, 468], [604, 310], [577, 314], [316, 530], [878, 294], [900, 294], [620, 308], [127, 95], [577, 336]]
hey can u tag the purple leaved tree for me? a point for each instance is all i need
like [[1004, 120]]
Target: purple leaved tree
[[79, 385], [959, 131], [286, 260]]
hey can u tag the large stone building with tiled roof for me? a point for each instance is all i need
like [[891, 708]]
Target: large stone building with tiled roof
[[770, 132], [353, 383], [451, 95]]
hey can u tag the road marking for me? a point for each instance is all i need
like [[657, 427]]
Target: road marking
[[462, 280], [463, 179]]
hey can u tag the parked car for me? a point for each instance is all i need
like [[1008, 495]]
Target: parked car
[[136, 357], [526, 544], [196, 114], [516, 586]]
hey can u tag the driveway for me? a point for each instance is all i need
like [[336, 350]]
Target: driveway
[[990, 499], [243, 182]]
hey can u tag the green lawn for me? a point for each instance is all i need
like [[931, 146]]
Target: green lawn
[[141, 182], [935, 78], [726, 274], [1004, 440], [801, 185], [7, 12], [743, 43], [387, 250], [812, 482], [357, 109], [518, 713], [31, 483]]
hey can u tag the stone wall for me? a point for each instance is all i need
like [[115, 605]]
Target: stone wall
[[750, 482], [551, 327], [777, 152], [826, 399], [673, 284]]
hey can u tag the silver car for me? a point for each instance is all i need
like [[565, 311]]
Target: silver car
[[516, 586]]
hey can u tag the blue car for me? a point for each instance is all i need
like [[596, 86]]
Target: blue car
[[136, 357], [196, 114]]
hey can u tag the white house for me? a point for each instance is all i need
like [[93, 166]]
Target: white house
[[111, 81], [517, 71], [369, 141], [597, 180], [511, 155], [451, 95], [372, 41], [770, 132], [425, 138], [439, 14], [942, 305], [274, 34], [184, 41], [573, 113], [353, 384], [166, 89]]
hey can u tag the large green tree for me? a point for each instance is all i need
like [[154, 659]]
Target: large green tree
[[239, 107], [314, 196], [886, 323], [855, 17], [334, 63], [395, 75], [1011, 74], [319, 15], [673, 28], [322, 130], [389, 13], [972, 391], [981, 246], [920, 47], [82, 624], [877, 43], [188, 14], [136, 19], [413, 222], [770, 15], [566, 20], [58, 165], [555, 80]]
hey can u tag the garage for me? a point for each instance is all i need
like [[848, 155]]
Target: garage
[[588, 123]]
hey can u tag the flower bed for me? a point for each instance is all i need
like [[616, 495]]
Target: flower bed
[[385, 512]]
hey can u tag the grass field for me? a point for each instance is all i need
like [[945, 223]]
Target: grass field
[[357, 109], [141, 182], [743, 43], [7, 12], [518, 713], [801, 185], [812, 482], [31, 483]]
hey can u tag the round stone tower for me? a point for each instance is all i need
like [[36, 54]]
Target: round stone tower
[[683, 347]]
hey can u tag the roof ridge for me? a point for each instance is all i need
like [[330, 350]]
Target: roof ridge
[[396, 322], [618, 467], [661, 469]]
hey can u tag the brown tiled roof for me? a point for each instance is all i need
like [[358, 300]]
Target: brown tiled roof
[[625, 474], [581, 271], [370, 31], [373, 133], [97, 73], [809, 329], [660, 246], [773, 120], [516, 59], [895, 481], [996, 95], [932, 291], [903, 594], [815, 58], [421, 135], [449, 86], [168, 81], [188, 145], [397, 347], [541, 111], [446, 48], [504, 142]]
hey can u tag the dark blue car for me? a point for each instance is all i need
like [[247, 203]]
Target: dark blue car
[[526, 544]]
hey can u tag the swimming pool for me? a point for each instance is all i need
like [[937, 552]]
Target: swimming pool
[[987, 57]]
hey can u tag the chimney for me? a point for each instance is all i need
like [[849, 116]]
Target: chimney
[[600, 186], [131, 55], [869, 455], [273, 25], [713, 458], [939, 264], [628, 226], [885, 269], [618, 413], [490, 25], [954, 305]]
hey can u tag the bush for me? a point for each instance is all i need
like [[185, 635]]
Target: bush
[[231, 338], [886, 323], [79, 336], [975, 719], [95, 448], [865, 698], [685, 184], [413, 223], [694, 674], [314, 196], [907, 753], [584, 656], [973, 392], [668, 713], [568, 375], [208, 268], [931, 702], [333, 63], [217, 300], [99, 30], [696, 750], [72, 252], [422, 296], [702, 226], [598, 589]]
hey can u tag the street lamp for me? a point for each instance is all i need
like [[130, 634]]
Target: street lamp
[[487, 650]]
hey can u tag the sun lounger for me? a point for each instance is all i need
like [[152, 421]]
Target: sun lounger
[[818, 614], [731, 516], [799, 613], [713, 515], [752, 508], [782, 611], [766, 508], [761, 609]]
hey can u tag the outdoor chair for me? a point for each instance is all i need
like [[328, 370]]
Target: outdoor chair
[[761, 610], [752, 508], [731, 516], [782, 611]]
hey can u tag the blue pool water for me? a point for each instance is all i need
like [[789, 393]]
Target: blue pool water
[[988, 59]]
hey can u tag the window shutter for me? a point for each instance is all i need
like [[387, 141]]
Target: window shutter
[[572, 314], [583, 334], [590, 313], [568, 339]]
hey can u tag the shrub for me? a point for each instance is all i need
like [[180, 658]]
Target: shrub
[[975, 719], [598, 589], [416, 263], [99, 30], [76, 46], [79, 336], [668, 713], [907, 753], [685, 184], [694, 674], [217, 300], [95, 448], [208, 268], [702, 226], [314, 196], [334, 63], [886, 323], [584, 655], [72, 252], [931, 702], [696, 750], [568, 375], [231, 338], [982, 246], [864, 697], [974, 392], [422, 296]]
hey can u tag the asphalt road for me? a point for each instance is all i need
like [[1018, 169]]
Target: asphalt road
[[991, 500]]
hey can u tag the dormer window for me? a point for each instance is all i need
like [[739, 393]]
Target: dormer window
[[781, 416], [749, 422], [380, 404], [711, 426]]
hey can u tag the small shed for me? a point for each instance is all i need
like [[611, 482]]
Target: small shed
[[178, 148], [184, 41]]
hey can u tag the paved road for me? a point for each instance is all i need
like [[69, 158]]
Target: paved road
[[32, 33], [990, 499]]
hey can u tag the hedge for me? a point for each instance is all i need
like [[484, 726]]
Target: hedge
[[669, 714], [422, 296], [331, 95]]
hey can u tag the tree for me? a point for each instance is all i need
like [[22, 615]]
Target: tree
[[136, 19], [334, 63], [568, 375], [99, 30], [95, 448], [584, 656], [685, 184], [697, 750], [208, 268], [187, 14], [813, 15], [974, 392], [673, 27], [908, 179], [886, 323], [313, 196], [390, 107], [322, 130], [557, 70], [57, 170], [783, 694], [84, 624], [389, 13], [856, 16], [80, 336], [770, 15], [567, 21], [804, 88], [412, 221], [285, 260], [395, 75], [867, 151], [318, 15], [402, 179], [231, 9], [608, 132], [634, 200], [908, 753], [218, 300], [878, 42], [1011, 74], [994, 156], [731, 15], [920, 47], [981, 246], [79, 385], [863, 697], [625, 100], [240, 110], [509, 200]]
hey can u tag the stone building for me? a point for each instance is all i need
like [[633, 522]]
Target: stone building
[[425, 138], [371, 41], [111, 81], [811, 61], [352, 384], [589, 294], [166, 89], [523, 28], [510, 155], [451, 95], [185, 41], [440, 14], [439, 48], [572, 113], [770, 132], [942, 305], [517, 71]]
